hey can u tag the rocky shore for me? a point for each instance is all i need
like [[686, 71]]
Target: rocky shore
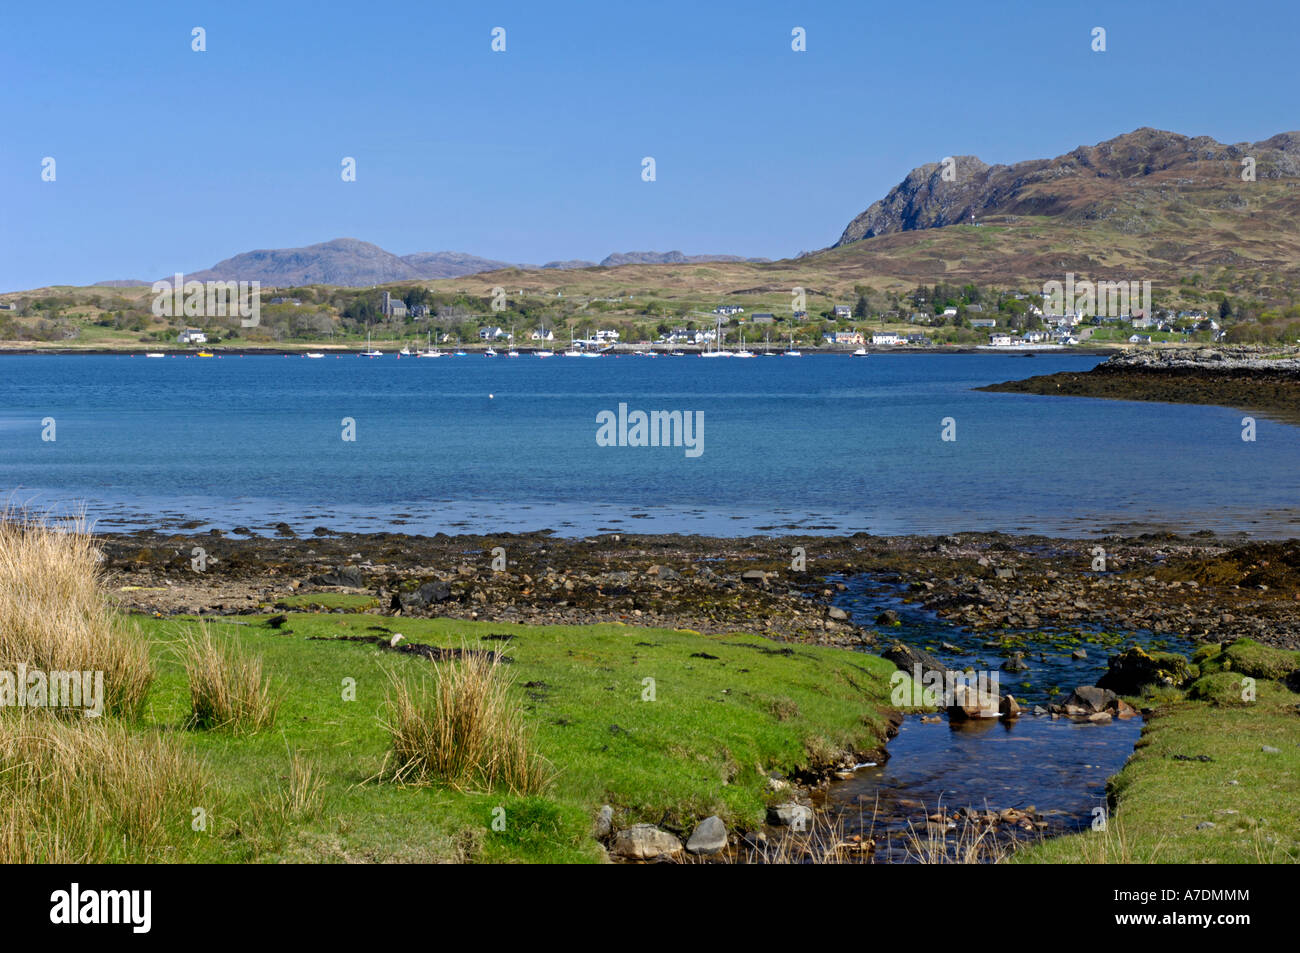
[[1266, 380], [1200, 586]]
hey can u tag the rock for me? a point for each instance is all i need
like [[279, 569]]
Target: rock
[[1090, 699], [284, 529], [907, 658], [1006, 574], [755, 577], [1100, 717], [347, 577], [666, 574], [277, 620], [790, 815], [836, 613], [1206, 826], [775, 783], [1015, 664], [888, 617], [709, 837], [1269, 749], [1079, 654], [969, 703], [1009, 708], [1129, 671], [427, 595], [604, 822], [645, 842]]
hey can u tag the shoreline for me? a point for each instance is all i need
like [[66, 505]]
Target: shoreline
[[1266, 380], [525, 350], [1201, 587]]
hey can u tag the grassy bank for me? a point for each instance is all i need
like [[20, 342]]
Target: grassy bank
[[724, 711], [1201, 786]]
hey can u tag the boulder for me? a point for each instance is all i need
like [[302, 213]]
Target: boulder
[[709, 837], [969, 704], [790, 815], [1010, 708], [907, 658], [604, 822], [1131, 670], [428, 594], [346, 577], [1088, 700], [755, 577], [645, 842], [888, 617], [836, 613], [1016, 663]]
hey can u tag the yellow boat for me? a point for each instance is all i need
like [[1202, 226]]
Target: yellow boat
[[205, 353]]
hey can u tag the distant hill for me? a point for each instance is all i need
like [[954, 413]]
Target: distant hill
[[343, 261], [120, 283], [665, 258], [354, 263], [451, 264]]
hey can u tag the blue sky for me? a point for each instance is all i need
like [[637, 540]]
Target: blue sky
[[168, 159]]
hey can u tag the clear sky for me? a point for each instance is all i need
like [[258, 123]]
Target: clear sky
[[169, 159]]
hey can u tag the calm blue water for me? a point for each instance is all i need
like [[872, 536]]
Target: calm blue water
[[817, 444]]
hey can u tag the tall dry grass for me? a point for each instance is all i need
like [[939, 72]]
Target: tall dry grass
[[76, 791], [55, 615], [464, 730], [228, 691]]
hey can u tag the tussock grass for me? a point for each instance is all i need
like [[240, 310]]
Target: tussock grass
[[464, 730], [90, 791], [228, 691], [54, 615]]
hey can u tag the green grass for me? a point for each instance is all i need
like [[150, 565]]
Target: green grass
[[704, 745]]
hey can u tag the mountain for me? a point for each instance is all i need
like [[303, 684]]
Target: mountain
[[343, 261], [452, 264], [665, 258], [353, 263], [1125, 181]]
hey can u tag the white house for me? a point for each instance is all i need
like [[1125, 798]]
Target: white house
[[543, 334], [492, 334], [1035, 337], [1139, 339], [1000, 340], [843, 312], [886, 338], [950, 312], [192, 336]]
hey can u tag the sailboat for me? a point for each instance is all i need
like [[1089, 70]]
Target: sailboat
[[459, 352], [512, 352], [430, 350], [406, 351], [767, 346], [792, 352], [370, 351], [721, 349], [314, 355], [572, 351], [743, 351]]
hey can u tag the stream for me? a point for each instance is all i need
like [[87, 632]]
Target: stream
[[1056, 766]]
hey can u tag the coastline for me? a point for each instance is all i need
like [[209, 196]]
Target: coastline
[[1201, 586], [1257, 380]]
